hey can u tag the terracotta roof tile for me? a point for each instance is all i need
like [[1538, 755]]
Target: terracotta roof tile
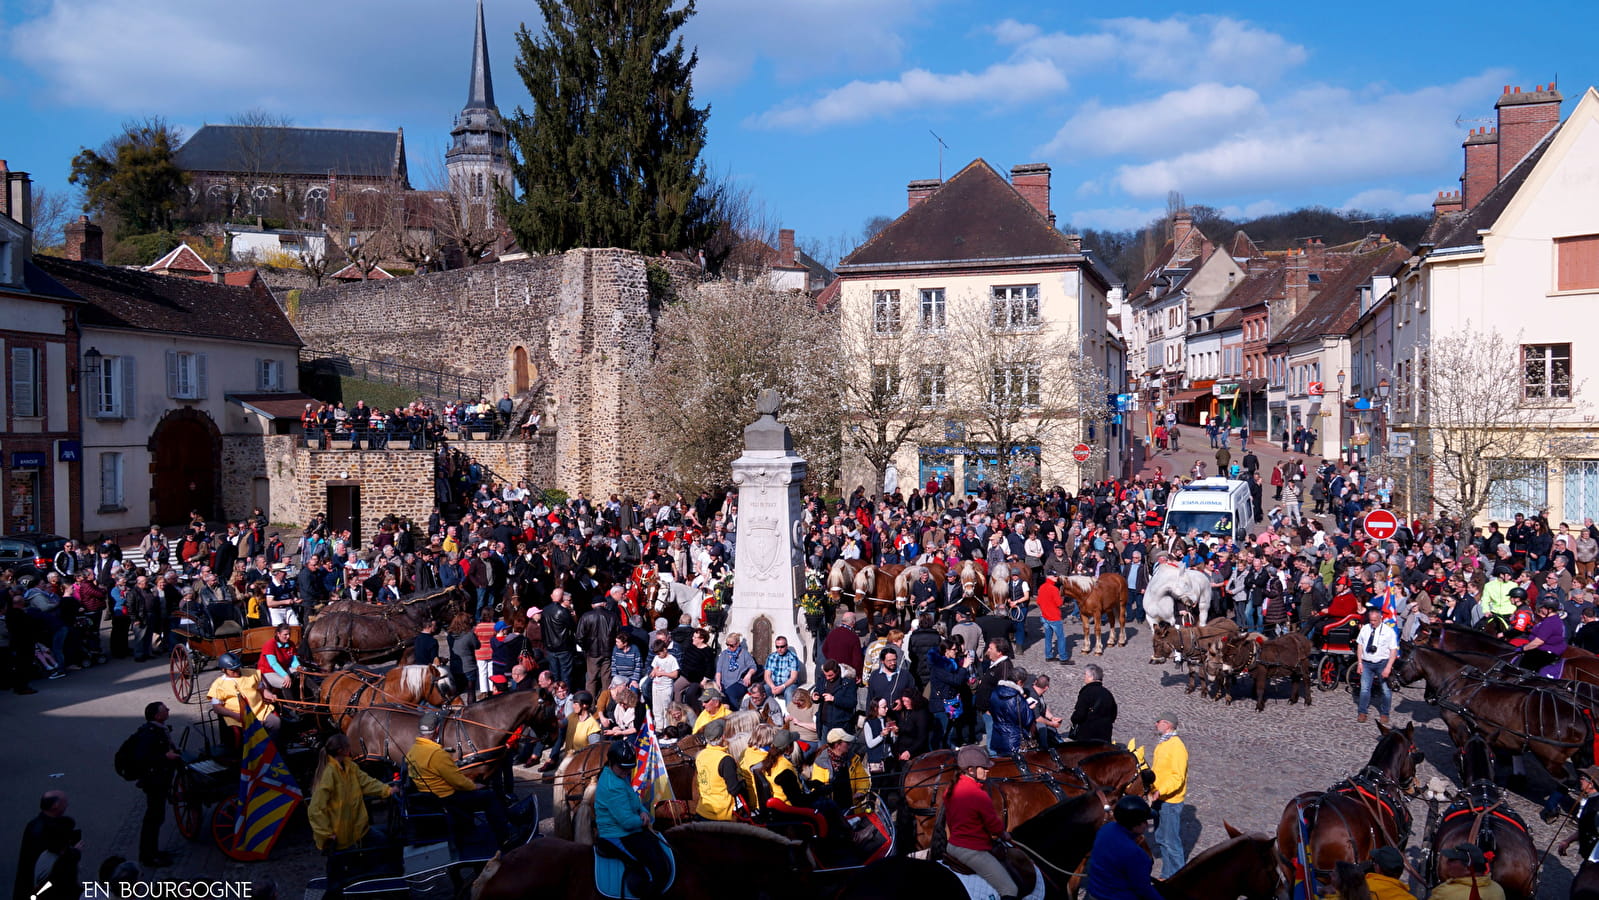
[[1481, 217], [1336, 305]]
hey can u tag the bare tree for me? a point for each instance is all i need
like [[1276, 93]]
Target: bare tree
[[891, 380], [717, 349], [459, 222], [1489, 414], [260, 143], [366, 225], [50, 216]]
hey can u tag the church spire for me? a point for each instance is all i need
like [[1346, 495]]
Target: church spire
[[480, 93]]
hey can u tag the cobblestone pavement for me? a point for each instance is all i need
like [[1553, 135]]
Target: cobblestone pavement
[[1245, 766]]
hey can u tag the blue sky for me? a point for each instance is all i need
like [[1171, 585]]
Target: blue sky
[[823, 108]]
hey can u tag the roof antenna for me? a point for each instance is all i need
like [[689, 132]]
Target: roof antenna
[[941, 148]]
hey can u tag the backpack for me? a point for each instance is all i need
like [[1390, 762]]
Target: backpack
[[132, 760]]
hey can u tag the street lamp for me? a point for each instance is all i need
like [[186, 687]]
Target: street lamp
[[1383, 387]]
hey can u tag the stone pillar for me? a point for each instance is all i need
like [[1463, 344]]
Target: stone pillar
[[770, 570]]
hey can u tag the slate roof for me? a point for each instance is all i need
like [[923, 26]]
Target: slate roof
[[1461, 228], [1336, 305], [1254, 290], [131, 298], [276, 405], [292, 151], [975, 216]]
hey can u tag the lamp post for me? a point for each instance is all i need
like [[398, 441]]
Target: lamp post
[[1338, 423]]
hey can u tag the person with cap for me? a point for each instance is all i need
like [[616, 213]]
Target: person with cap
[[234, 688], [337, 811], [1388, 881], [841, 770], [435, 773], [1170, 765], [1547, 640], [279, 659], [1465, 871], [621, 819], [1118, 868], [1497, 601], [715, 709], [1377, 649], [1586, 813], [716, 774], [972, 824]]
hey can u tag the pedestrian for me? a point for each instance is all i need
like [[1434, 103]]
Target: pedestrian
[[1094, 716], [463, 656], [52, 848], [1586, 814], [1016, 610], [1377, 647], [1465, 871], [1170, 765], [155, 761], [1174, 436], [1224, 461], [1056, 646], [1118, 867]]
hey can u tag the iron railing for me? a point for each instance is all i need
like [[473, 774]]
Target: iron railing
[[432, 383]]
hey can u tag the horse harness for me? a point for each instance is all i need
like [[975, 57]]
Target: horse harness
[[1471, 679]]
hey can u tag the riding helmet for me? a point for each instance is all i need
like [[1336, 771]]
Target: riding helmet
[[429, 723], [230, 661], [973, 756], [1131, 811], [1549, 603], [1518, 593], [621, 753]]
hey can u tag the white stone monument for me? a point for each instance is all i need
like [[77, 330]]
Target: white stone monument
[[770, 555]]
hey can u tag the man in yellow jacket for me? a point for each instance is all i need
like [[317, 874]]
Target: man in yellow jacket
[[716, 776], [1464, 868], [434, 772], [1388, 882], [338, 814], [1170, 765]]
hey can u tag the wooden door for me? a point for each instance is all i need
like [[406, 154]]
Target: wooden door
[[184, 471]]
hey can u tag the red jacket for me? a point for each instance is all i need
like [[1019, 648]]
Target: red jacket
[[970, 816], [1049, 600]]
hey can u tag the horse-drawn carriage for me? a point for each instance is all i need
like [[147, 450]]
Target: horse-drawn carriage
[[1335, 662], [207, 634]]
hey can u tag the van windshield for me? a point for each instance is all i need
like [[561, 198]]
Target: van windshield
[[1217, 522]]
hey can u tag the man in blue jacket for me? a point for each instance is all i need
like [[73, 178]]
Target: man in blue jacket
[[1118, 869]]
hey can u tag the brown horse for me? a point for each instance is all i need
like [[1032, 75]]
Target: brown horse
[[912, 574], [874, 589], [478, 734], [376, 636], [1020, 792], [974, 591], [1355, 816], [1096, 597], [574, 804], [1262, 660], [1188, 641], [841, 579], [1536, 717], [999, 581], [1451, 637], [1481, 815], [1241, 866], [343, 693], [711, 858]]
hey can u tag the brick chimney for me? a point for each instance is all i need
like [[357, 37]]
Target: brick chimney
[[917, 191], [1296, 284], [785, 247], [83, 240], [5, 198], [1482, 166], [1182, 225], [1315, 255], [1031, 180], [1524, 118], [1447, 202]]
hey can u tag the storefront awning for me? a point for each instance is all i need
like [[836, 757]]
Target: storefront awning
[[1190, 396]]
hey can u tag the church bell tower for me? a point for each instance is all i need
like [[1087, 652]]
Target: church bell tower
[[479, 155]]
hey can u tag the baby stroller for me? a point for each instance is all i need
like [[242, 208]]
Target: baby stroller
[[84, 645]]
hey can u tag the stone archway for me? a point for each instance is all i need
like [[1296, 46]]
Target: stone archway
[[186, 467], [524, 374]]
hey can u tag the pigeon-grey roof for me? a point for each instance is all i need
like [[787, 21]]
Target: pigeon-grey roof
[[292, 151]]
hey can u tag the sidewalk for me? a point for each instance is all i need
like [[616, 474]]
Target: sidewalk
[[1195, 446]]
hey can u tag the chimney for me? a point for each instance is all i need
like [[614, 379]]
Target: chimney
[[1075, 241], [1296, 284], [1258, 264], [1182, 225], [917, 191], [785, 247], [218, 277], [1315, 255], [82, 240], [1482, 166], [1524, 119], [1447, 202], [5, 199], [1031, 180], [19, 197]]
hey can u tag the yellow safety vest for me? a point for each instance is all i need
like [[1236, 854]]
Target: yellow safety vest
[[715, 802]]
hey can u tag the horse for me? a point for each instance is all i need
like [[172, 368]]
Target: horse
[[874, 589], [1176, 593], [1096, 597], [1241, 866], [344, 692], [1059, 838], [1263, 659], [1355, 816], [1023, 785], [1188, 641], [580, 770], [971, 578], [710, 856], [1452, 638], [480, 734], [1586, 885], [999, 581], [1481, 815], [841, 578], [1536, 717], [336, 637], [913, 574]]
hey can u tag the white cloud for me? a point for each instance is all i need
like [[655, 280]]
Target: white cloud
[[998, 85], [1118, 218], [1175, 119], [1251, 210], [1010, 31], [1323, 136], [1182, 49], [1390, 200], [798, 37]]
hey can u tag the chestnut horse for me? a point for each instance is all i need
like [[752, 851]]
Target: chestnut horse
[[1241, 866], [913, 573], [574, 805], [999, 582], [874, 589], [1481, 815], [1096, 597], [480, 733], [1355, 816], [841, 578], [974, 592], [1020, 791], [345, 692]]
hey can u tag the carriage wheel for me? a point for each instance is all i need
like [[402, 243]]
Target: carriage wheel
[[1327, 673], [183, 672], [1352, 676], [187, 806], [223, 820]]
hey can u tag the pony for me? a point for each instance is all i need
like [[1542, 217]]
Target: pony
[[1262, 659], [1481, 815], [1177, 592], [1096, 597]]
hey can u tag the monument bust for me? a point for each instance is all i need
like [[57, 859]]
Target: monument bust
[[766, 434]]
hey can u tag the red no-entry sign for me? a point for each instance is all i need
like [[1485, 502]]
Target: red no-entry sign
[[1082, 452], [1380, 524]]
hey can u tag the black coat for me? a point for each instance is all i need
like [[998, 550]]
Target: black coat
[[1095, 714], [560, 629]]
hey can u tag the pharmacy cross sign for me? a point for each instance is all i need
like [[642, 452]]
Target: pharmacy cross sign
[[1380, 524]]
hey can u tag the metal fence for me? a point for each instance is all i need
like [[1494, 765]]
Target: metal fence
[[426, 382]]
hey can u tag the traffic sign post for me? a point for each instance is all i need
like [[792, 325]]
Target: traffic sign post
[[1380, 524], [1082, 452]]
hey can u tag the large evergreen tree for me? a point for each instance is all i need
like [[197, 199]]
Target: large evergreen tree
[[132, 183], [609, 155]]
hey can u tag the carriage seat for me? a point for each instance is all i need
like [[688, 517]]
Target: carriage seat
[[424, 818], [783, 814], [1339, 635]]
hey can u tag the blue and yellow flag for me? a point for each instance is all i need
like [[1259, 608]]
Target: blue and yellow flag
[[649, 775], [1304, 886], [268, 794]]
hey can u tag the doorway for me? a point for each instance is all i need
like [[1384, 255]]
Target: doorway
[[519, 371], [186, 452], [261, 495], [344, 508]]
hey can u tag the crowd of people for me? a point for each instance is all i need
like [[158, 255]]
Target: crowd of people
[[415, 426]]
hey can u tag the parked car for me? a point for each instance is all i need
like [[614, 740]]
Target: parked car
[[29, 556]]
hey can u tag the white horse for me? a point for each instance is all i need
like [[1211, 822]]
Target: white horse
[[1171, 589]]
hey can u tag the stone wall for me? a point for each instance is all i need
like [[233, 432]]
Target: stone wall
[[392, 482], [585, 318], [246, 458], [532, 461]]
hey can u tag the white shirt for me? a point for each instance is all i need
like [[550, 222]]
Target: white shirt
[[1387, 642]]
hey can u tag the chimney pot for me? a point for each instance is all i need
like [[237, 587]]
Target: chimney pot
[[83, 240], [920, 190]]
